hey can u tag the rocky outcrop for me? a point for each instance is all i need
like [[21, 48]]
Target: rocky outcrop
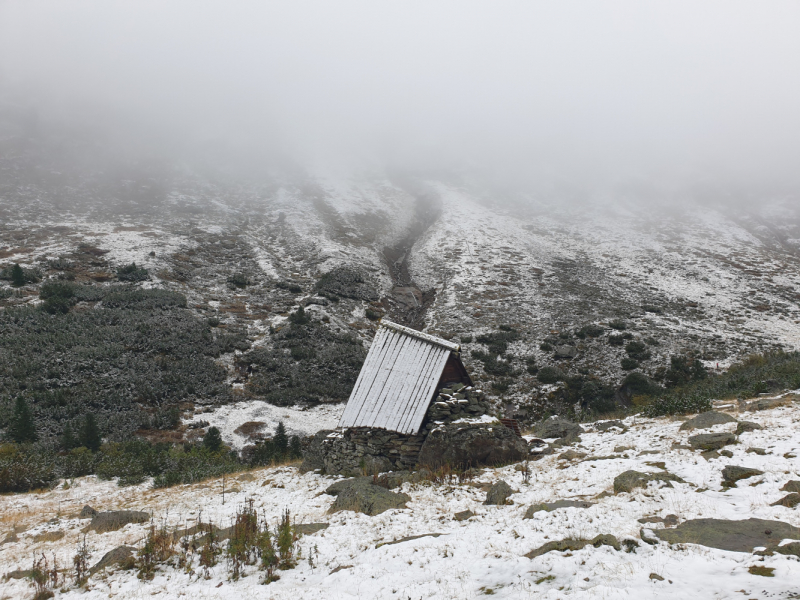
[[557, 427], [472, 445]]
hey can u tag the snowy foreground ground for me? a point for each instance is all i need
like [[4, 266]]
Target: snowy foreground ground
[[480, 556]]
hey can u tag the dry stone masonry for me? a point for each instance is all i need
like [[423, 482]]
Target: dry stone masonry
[[367, 450]]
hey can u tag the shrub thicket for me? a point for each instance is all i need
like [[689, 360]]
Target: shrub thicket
[[550, 375], [307, 363], [347, 282], [754, 375], [132, 273], [128, 362]]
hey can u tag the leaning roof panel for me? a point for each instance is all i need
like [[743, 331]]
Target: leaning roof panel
[[398, 379]]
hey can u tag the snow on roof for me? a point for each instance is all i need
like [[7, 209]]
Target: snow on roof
[[398, 379]]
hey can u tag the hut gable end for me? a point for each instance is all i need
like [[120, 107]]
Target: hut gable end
[[402, 371]]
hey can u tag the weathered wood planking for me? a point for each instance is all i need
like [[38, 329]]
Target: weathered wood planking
[[398, 379]]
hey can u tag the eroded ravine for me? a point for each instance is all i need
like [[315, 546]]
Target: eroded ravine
[[407, 304]]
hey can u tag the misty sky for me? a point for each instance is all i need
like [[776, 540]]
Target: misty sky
[[670, 92]]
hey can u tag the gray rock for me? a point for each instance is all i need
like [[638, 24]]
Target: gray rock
[[606, 425], [706, 420], [791, 486], [121, 555], [711, 441], [551, 506], [10, 538], [566, 352], [731, 474], [629, 480], [365, 497], [668, 521], [726, 453], [789, 500], [572, 455], [734, 536], [409, 538], [472, 445], [766, 403], [745, 426], [116, 519], [343, 484], [463, 515], [87, 512], [310, 528], [758, 451], [498, 494], [557, 427], [574, 545]]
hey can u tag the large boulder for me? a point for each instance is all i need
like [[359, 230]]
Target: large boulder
[[472, 445], [498, 494], [112, 520], [791, 486], [735, 536], [706, 420], [361, 495], [121, 555], [745, 426], [711, 441], [732, 473], [566, 352], [789, 500], [557, 427]]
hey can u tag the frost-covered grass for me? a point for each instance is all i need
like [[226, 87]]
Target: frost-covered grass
[[471, 557]]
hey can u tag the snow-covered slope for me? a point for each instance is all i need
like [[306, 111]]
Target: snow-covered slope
[[456, 260], [472, 558]]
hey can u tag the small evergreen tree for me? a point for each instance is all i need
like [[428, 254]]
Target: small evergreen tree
[[212, 440], [17, 276], [89, 435], [295, 449], [22, 429], [68, 439], [299, 317], [280, 442]]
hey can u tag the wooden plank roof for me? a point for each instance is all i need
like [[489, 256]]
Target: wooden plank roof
[[398, 379]]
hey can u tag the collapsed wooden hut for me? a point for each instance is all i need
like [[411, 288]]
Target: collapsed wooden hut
[[412, 389], [402, 374]]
